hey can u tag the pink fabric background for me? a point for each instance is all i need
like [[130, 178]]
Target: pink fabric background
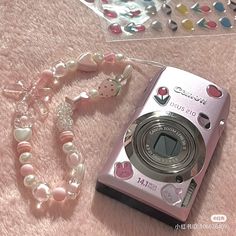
[[33, 35]]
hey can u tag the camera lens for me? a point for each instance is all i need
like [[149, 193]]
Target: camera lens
[[164, 146]]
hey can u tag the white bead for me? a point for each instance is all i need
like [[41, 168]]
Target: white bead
[[127, 72], [78, 172], [30, 181], [72, 196], [73, 188], [93, 93], [98, 57], [59, 69], [68, 147], [22, 134], [73, 159], [119, 57], [25, 157], [41, 192], [71, 65]]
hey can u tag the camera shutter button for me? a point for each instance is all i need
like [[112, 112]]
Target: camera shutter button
[[213, 91]]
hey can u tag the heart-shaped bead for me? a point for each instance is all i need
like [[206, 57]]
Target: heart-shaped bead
[[86, 63], [22, 134]]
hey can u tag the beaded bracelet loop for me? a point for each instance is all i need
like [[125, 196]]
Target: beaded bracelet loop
[[32, 105]]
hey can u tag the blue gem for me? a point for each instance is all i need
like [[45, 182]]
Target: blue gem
[[219, 6], [225, 22]]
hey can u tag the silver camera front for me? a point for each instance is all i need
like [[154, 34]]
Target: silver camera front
[[165, 146]]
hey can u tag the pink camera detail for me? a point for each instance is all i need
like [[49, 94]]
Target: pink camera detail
[[123, 170]]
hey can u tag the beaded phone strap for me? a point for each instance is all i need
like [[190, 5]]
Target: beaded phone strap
[[34, 100]]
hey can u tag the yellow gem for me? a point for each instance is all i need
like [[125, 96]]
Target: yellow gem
[[188, 25], [182, 9]]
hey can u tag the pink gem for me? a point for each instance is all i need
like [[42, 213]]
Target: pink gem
[[115, 28], [26, 169], [140, 28], [14, 90], [211, 24], [109, 13], [135, 13], [205, 9], [162, 91], [105, 1], [110, 57], [213, 91], [59, 194]]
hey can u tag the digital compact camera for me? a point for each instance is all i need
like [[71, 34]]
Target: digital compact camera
[[158, 165]]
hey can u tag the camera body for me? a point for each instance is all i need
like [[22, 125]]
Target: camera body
[[158, 165]]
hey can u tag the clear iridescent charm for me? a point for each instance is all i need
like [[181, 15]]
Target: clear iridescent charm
[[172, 25], [166, 9]]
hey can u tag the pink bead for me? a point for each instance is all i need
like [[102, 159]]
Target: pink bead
[[66, 136], [135, 13], [110, 57], [140, 28], [23, 147], [45, 78], [205, 9], [26, 169], [59, 194], [115, 28], [109, 13], [211, 24]]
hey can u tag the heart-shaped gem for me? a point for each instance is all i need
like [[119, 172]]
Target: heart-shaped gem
[[213, 91], [219, 6], [22, 134], [172, 25], [151, 10], [166, 9], [109, 13], [115, 28], [182, 9], [225, 22], [188, 25], [156, 25], [86, 63]]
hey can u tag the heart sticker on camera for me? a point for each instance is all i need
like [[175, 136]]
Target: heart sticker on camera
[[162, 97], [123, 170], [171, 194]]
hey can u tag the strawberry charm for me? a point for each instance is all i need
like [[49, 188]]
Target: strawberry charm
[[109, 88]]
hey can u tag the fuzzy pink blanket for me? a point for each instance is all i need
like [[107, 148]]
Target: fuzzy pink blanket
[[33, 34]]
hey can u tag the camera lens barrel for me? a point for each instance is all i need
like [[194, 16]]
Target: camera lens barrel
[[165, 146]]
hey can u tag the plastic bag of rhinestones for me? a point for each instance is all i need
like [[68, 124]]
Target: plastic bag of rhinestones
[[162, 19]]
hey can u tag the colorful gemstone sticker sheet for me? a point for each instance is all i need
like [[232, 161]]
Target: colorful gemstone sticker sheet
[[142, 19]]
